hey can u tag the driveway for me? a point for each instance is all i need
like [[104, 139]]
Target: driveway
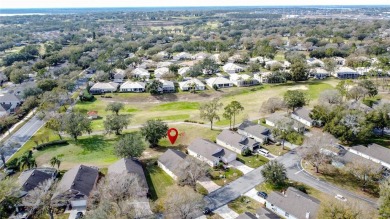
[[208, 184], [253, 194], [240, 166], [226, 213]]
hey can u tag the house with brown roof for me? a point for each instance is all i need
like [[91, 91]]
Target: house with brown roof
[[76, 186], [236, 142], [129, 166], [373, 152], [92, 114], [210, 152], [293, 204], [170, 162]]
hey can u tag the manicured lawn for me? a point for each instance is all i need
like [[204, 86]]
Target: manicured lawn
[[176, 106], [253, 161], [200, 189], [275, 150], [244, 204], [89, 150], [222, 177], [158, 180], [179, 117]]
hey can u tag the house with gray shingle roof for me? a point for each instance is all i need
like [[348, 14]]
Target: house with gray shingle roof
[[9, 102], [373, 152], [210, 152], [76, 185], [293, 204], [103, 87], [236, 142], [302, 115], [258, 132], [30, 179], [264, 213], [170, 162]]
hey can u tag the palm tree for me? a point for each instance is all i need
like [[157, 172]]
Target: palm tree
[[55, 161], [27, 160]]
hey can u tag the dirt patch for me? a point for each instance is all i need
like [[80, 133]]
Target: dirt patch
[[300, 87]]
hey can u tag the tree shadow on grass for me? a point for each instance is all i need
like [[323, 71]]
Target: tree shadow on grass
[[93, 143]]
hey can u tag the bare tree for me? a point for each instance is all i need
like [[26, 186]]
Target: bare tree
[[331, 209], [330, 97], [191, 171], [314, 150], [272, 104], [364, 170], [282, 129], [38, 201], [357, 92], [182, 202]]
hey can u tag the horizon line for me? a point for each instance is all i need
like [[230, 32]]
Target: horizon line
[[194, 6]]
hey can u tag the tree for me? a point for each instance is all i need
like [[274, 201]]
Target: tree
[[154, 130], [330, 64], [331, 209], [115, 107], [295, 98], [272, 105], [231, 110], [209, 111], [38, 201], [26, 161], [364, 170], [116, 123], [130, 145], [8, 187], [55, 161], [55, 125], [313, 150], [380, 118], [155, 87], [384, 200], [274, 173], [191, 170], [182, 202], [357, 92], [370, 87], [299, 71], [75, 124], [47, 84], [330, 97], [282, 129], [17, 76], [343, 87]]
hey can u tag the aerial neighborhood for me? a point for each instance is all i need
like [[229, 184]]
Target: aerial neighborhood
[[231, 112]]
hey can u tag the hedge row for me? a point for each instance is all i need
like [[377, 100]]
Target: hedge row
[[57, 142]]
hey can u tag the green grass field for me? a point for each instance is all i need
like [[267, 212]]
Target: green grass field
[[158, 181], [244, 204], [222, 177], [253, 161]]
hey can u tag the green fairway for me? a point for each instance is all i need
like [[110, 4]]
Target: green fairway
[[176, 106]]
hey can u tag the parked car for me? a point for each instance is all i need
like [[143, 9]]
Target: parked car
[[79, 215], [341, 198], [206, 211], [262, 194], [263, 152]]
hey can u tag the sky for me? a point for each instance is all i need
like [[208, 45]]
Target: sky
[[170, 3]]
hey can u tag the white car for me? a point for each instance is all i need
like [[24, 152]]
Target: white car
[[263, 152], [341, 198]]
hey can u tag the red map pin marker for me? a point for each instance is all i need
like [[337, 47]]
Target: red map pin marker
[[172, 137]]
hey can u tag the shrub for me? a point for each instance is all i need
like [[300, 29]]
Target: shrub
[[52, 143]]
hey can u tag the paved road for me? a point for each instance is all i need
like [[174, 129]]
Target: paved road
[[291, 161], [23, 135]]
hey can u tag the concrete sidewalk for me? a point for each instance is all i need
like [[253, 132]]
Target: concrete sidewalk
[[226, 213], [26, 118]]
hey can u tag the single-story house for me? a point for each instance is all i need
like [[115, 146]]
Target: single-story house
[[200, 56], [30, 179], [76, 186], [141, 73], [339, 60], [167, 86], [220, 82], [182, 56], [182, 71], [319, 73], [129, 166], [104, 87], [163, 54], [187, 85], [271, 63], [373, 152], [243, 80], [357, 105], [274, 118], [210, 153], [262, 77], [170, 162], [346, 73], [264, 213], [215, 57], [236, 142], [232, 68], [302, 115], [147, 64], [159, 72], [119, 76], [258, 59], [315, 62], [235, 58], [92, 114], [9, 103], [258, 132], [130, 86], [164, 64], [293, 204]]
